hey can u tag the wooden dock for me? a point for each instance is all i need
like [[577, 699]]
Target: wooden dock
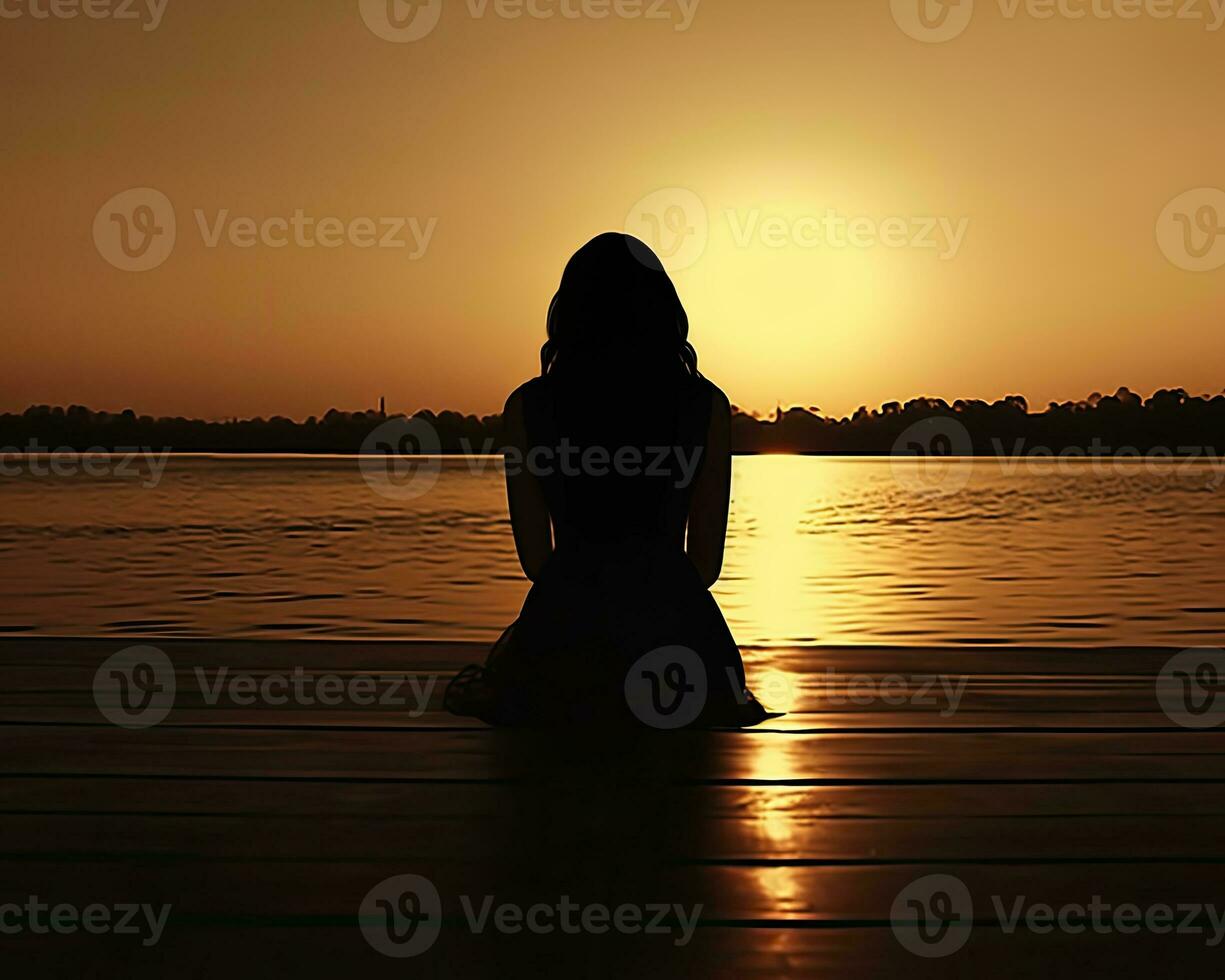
[[1058, 778]]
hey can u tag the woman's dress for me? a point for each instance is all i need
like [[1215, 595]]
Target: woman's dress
[[618, 626]]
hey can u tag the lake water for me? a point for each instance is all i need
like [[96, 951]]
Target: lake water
[[820, 551]]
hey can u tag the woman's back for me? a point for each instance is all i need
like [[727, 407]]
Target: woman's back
[[620, 461]]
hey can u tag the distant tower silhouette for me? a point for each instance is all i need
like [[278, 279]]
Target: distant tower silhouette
[[382, 406]]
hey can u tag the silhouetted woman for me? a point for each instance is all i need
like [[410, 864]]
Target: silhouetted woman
[[618, 479]]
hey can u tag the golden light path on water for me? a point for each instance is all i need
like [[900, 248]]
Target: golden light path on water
[[768, 558], [767, 565]]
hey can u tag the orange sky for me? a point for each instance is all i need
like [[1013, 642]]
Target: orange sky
[[1051, 146]]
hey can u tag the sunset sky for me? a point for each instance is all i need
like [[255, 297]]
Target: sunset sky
[[1053, 144]]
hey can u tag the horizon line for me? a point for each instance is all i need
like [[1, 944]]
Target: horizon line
[[761, 416]]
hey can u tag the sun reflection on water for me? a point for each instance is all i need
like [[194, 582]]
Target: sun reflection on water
[[774, 812], [767, 554]]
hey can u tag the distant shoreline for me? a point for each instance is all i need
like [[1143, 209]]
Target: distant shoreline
[[1205, 457], [1170, 423]]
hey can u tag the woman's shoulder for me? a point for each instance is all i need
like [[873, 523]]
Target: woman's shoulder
[[530, 405], [702, 405], [532, 393], [529, 391], [710, 393]]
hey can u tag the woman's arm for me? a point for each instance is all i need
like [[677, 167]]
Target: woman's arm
[[529, 514], [711, 494]]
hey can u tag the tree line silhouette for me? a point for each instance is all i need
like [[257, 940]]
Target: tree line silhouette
[[1170, 420]]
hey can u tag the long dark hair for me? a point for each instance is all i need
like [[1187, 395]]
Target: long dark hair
[[616, 309]]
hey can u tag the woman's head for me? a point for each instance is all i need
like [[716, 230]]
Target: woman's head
[[617, 309]]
